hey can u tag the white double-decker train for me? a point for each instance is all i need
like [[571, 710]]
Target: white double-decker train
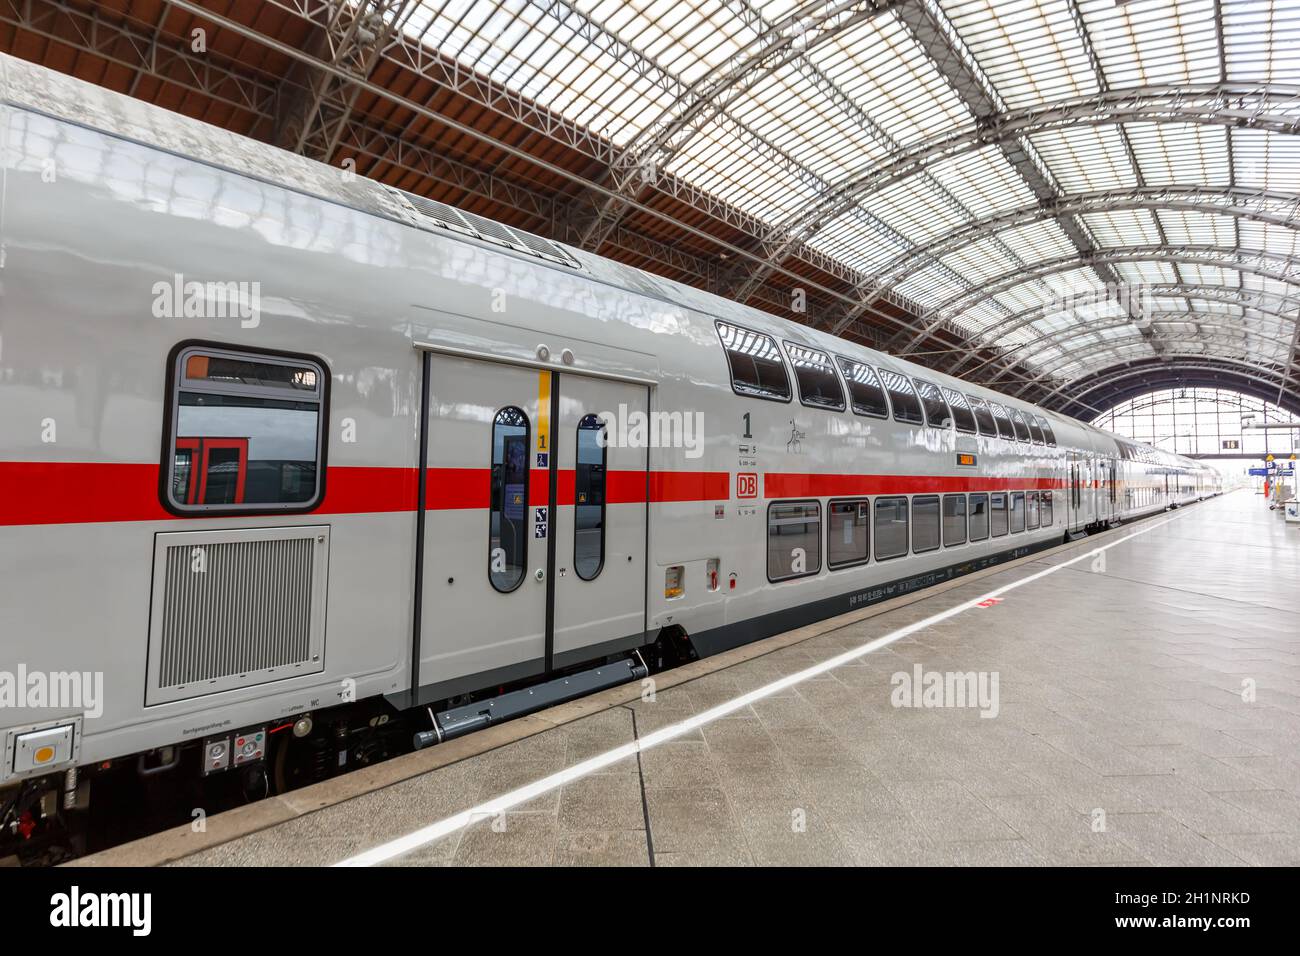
[[294, 464]]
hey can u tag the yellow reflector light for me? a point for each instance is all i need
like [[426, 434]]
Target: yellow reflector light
[[673, 579], [43, 755]]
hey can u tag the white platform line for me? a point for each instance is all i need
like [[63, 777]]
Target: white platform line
[[491, 808]]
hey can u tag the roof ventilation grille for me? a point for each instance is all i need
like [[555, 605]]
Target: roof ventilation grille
[[467, 223]]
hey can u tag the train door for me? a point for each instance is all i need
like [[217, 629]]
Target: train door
[[1085, 495], [1110, 506], [599, 521], [482, 603], [521, 505], [1088, 511], [1075, 480]]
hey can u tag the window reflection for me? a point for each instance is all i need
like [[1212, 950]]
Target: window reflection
[[508, 534], [247, 433], [589, 498]]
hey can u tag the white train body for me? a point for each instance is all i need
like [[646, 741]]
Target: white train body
[[113, 563]]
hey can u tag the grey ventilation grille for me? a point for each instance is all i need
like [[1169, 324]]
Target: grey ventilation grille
[[492, 231], [430, 211], [440, 213], [236, 608]]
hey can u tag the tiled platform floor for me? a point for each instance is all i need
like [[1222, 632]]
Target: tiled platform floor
[[1121, 694]]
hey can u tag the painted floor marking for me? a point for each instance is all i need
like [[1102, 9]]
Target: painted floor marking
[[491, 808]]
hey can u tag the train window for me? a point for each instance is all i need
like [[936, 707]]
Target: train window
[[865, 390], [979, 517], [962, 415], [1035, 433], [246, 432], [1046, 511], [1048, 434], [1017, 511], [907, 407], [508, 528], [954, 520], [1003, 421], [589, 498], [983, 417], [794, 539], [818, 384], [925, 523], [846, 541], [1022, 430], [891, 528], [755, 361], [998, 513], [1031, 511], [937, 414]]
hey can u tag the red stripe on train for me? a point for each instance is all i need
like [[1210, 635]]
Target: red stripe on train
[[43, 493], [58, 492], [690, 485], [36, 493]]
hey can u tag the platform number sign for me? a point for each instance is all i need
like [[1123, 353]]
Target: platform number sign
[[746, 484]]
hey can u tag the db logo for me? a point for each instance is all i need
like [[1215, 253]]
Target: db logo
[[746, 485]]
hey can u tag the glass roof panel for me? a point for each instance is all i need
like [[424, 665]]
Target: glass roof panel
[[1146, 42], [767, 108], [1254, 34], [1086, 158], [1123, 227], [1029, 49], [1188, 228], [1181, 154], [884, 70]]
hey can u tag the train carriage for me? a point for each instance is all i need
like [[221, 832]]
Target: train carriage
[[285, 452]]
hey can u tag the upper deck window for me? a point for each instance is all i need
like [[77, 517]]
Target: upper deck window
[[1003, 421], [1022, 430], [983, 417], [818, 384], [1035, 432], [962, 415], [1046, 426], [865, 391], [907, 407], [936, 409], [756, 366]]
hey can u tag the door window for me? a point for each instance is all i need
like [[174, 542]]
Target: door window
[[508, 531], [589, 498]]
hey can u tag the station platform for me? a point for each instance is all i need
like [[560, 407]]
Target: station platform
[[1147, 709]]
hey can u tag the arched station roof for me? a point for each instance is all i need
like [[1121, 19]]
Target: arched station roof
[[1065, 199]]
